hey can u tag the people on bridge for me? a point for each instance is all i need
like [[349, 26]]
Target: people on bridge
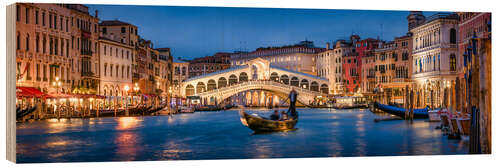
[[275, 116]]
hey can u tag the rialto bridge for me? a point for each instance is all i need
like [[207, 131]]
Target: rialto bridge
[[257, 74]]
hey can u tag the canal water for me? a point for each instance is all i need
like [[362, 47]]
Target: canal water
[[220, 135]]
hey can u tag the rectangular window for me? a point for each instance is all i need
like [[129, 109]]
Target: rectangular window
[[67, 25], [36, 17], [123, 29], [18, 13], [38, 72], [61, 22], [44, 72], [55, 21], [111, 70], [50, 20], [43, 18], [128, 71], [37, 48], [27, 15], [104, 30]]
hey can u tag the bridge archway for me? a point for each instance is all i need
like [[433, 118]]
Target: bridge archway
[[294, 81], [274, 77], [222, 82], [304, 84], [189, 90], [284, 79], [233, 80], [200, 87], [324, 89], [243, 77], [314, 86], [211, 85]]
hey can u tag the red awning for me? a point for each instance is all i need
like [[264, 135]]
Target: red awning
[[28, 92]]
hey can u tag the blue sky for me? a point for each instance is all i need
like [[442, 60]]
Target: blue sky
[[200, 31]]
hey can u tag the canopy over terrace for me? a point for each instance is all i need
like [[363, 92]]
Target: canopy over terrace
[[29, 92]]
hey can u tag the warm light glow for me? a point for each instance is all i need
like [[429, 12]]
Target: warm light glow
[[126, 88], [57, 78]]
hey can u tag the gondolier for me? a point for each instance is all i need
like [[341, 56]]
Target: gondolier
[[261, 124], [293, 98]]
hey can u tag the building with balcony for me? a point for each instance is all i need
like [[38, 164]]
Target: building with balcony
[[209, 64], [299, 57], [435, 56], [115, 67], [56, 41], [393, 68]]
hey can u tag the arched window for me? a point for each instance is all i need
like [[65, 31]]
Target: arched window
[[274, 77], [304, 84], [222, 82], [233, 80], [200, 87], [453, 36], [294, 81], [189, 90], [243, 77], [453, 62], [284, 79], [211, 85]]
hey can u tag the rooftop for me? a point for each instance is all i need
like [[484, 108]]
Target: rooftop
[[113, 23]]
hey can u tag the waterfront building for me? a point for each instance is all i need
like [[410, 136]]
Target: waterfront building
[[56, 42], [115, 68], [364, 48], [180, 74], [393, 66], [209, 64], [329, 66], [342, 49], [164, 67], [299, 57], [477, 26], [368, 80], [435, 57]]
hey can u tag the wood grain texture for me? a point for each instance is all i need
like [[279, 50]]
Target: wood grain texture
[[11, 83]]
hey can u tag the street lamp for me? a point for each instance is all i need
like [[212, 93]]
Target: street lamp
[[126, 88], [136, 88], [57, 84]]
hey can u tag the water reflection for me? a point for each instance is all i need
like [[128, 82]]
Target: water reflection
[[212, 135], [125, 123]]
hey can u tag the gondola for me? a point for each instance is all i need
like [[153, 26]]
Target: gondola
[[259, 124], [417, 113], [22, 113]]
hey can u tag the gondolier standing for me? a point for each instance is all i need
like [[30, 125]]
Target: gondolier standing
[[293, 98]]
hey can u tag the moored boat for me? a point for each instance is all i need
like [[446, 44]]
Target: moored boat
[[184, 109], [398, 111]]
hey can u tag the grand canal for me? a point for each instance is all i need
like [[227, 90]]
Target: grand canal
[[220, 135]]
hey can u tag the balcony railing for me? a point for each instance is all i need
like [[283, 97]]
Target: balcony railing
[[86, 52], [87, 74]]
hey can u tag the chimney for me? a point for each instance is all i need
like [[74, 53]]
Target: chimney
[[327, 45], [97, 13]]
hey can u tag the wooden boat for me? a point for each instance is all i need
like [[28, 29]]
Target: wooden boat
[[435, 115], [184, 109], [417, 113], [350, 102], [22, 113], [259, 124]]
